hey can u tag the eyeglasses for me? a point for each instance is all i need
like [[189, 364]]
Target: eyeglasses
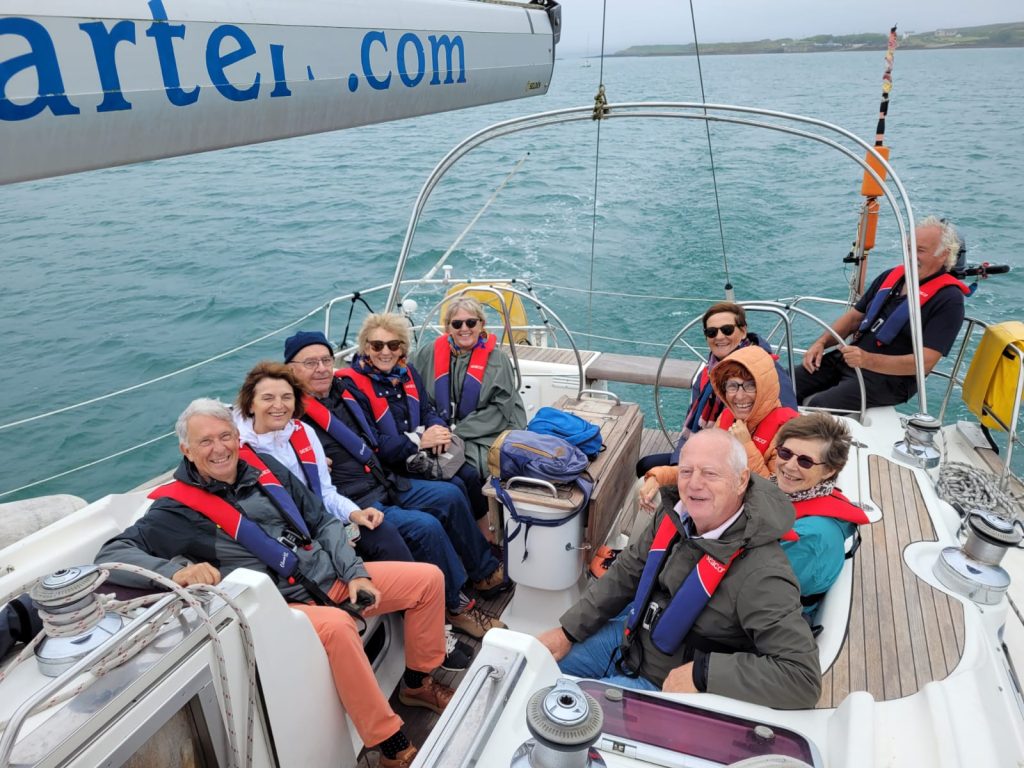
[[732, 387], [728, 330], [470, 323], [802, 459], [315, 362], [394, 345]]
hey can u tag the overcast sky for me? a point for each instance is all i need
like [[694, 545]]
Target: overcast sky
[[644, 22]]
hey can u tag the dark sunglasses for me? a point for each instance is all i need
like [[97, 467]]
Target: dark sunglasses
[[394, 345], [802, 459], [726, 329], [470, 323]]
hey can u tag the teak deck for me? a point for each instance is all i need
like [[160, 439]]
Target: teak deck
[[902, 633]]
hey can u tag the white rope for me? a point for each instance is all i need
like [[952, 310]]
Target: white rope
[[974, 488], [164, 377], [87, 465], [133, 642], [652, 297]]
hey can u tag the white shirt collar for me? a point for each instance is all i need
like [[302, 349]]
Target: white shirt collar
[[714, 533]]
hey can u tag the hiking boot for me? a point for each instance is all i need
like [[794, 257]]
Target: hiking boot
[[494, 584], [430, 695], [473, 622], [402, 760], [457, 655]]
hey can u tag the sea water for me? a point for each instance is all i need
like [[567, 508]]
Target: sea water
[[116, 277]]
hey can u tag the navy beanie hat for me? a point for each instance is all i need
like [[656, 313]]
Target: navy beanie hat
[[295, 344]]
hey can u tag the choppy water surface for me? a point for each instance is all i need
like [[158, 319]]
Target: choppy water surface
[[114, 277]]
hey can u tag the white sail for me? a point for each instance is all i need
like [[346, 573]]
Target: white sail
[[121, 81]]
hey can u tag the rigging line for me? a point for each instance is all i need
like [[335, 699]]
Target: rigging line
[[86, 466], [711, 154], [597, 166], [163, 377], [494, 195], [652, 297]]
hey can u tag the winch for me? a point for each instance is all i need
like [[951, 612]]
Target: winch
[[73, 619], [565, 722], [973, 570], [917, 447]]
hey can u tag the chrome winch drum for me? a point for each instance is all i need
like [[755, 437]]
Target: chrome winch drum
[[973, 570], [564, 722], [62, 593]]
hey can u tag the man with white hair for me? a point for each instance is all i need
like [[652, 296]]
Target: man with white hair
[[881, 346], [282, 529], [713, 603]]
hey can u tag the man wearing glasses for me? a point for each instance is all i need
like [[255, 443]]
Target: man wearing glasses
[[881, 346]]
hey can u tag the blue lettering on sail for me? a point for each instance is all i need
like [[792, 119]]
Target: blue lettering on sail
[[43, 58], [104, 44], [216, 62], [33, 53], [163, 34]]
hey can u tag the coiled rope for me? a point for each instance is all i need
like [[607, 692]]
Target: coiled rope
[[130, 643], [973, 488]]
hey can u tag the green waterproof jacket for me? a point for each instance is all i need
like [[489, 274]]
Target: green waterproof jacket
[[750, 641]]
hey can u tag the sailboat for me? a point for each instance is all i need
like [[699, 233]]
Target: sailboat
[[921, 636]]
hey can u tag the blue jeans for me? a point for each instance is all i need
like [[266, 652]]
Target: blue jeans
[[595, 658], [430, 544], [383, 543], [448, 504]]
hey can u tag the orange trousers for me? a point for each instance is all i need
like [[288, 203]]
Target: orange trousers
[[417, 589]]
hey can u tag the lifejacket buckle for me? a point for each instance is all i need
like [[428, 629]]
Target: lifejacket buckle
[[650, 615], [291, 540], [876, 325]]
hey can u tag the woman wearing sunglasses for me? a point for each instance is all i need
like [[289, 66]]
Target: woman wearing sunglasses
[[725, 329], [812, 451], [472, 382], [747, 383]]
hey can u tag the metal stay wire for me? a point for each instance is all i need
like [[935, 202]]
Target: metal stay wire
[[597, 168]]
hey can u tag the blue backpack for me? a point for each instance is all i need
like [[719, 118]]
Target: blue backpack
[[569, 427], [521, 453]]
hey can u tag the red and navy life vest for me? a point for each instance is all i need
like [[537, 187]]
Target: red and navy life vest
[[834, 505], [765, 431], [379, 403], [271, 552], [675, 621], [299, 441], [472, 384], [888, 329], [343, 433]]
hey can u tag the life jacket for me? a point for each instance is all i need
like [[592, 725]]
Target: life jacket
[[343, 433], [299, 441], [834, 505], [765, 431], [472, 384], [277, 556], [669, 626], [379, 404], [886, 330]]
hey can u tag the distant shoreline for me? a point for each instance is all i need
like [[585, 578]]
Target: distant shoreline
[[1010, 35]]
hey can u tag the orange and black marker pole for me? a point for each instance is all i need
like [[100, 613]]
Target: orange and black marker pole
[[868, 223]]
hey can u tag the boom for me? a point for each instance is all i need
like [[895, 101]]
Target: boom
[[128, 80]]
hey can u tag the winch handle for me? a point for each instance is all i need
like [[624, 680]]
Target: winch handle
[[532, 481]]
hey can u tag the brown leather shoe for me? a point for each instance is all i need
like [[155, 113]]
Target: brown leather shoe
[[473, 622], [494, 584], [402, 760], [431, 695]]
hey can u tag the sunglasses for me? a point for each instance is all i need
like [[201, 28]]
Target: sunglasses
[[394, 345], [728, 330], [470, 323], [802, 459]]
